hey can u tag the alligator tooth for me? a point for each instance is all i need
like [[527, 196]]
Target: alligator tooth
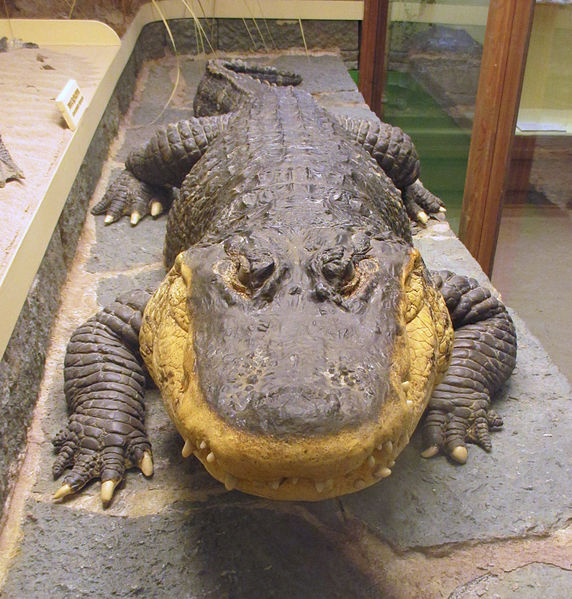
[[203, 445], [330, 483], [459, 454], [371, 461], [405, 385], [210, 457], [135, 218], [274, 484], [63, 491], [382, 472], [359, 483], [379, 447], [430, 452], [294, 480], [146, 464], [107, 488], [409, 403], [156, 208], [320, 486], [388, 445], [230, 482], [187, 449], [391, 464]]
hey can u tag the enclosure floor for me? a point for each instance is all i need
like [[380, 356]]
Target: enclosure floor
[[495, 527]]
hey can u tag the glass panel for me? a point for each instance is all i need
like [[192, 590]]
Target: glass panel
[[533, 264], [435, 49]]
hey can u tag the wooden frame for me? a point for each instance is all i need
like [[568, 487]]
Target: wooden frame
[[372, 53], [502, 70]]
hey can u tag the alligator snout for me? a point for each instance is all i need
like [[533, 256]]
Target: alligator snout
[[297, 395]]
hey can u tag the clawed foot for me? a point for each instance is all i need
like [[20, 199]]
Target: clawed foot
[[449, 426], [94, 447], [128, 196], [420, 203]]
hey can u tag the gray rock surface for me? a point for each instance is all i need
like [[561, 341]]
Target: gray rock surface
[[533, 581]]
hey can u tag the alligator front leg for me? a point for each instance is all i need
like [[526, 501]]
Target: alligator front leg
[[104, 386], [165, 159], [395, 153], [484, 355]]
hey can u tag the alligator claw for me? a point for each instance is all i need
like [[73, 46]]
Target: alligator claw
[[459, 454], [420, 203], [146, 464], [430, 452], [77, 452], [128, 196], [107, 489], [451, 423], [156, 208], [62, 492]]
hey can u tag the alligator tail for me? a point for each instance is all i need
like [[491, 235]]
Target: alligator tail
[[225, 85]]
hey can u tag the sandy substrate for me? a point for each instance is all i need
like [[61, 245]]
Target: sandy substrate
[[32, 127]]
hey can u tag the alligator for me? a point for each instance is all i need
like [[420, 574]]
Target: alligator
[[298, 338], [8, 168]]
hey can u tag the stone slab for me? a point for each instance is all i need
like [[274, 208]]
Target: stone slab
[[239, 549], [532, 581]]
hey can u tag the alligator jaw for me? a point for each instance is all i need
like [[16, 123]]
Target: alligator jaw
[[301, 470]]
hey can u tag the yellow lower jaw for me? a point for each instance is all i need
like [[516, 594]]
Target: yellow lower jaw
[[374, 468]]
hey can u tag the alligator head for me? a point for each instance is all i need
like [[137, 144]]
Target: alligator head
[[297, 367]]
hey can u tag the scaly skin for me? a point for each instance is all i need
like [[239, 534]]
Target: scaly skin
[[297, 337], [8, 168]]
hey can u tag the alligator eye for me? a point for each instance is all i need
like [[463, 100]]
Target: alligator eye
[[341, 273], [261, 268], [253, 271]]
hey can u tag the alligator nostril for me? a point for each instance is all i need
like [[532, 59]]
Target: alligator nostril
[[295, 290]]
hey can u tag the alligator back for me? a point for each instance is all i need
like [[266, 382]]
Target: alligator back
[[282, 161]]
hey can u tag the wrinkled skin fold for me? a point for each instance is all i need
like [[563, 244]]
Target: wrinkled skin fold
[[297, 339]]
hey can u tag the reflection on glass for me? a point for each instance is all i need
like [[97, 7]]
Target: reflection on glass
[[533, 264], [435, 52]]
